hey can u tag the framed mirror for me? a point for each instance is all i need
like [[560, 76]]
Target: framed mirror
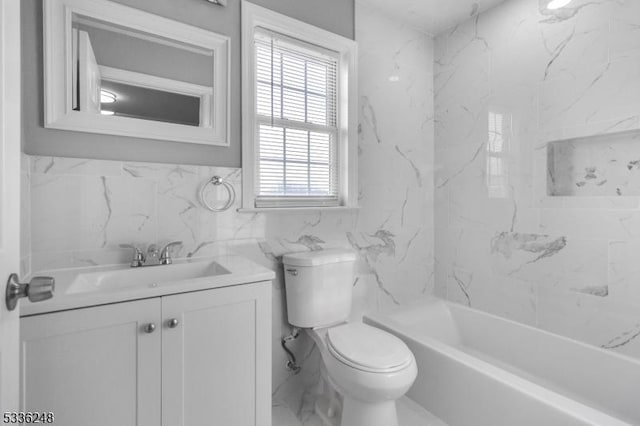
[[113, 69]]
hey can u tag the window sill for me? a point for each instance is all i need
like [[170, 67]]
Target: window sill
[[297, 209]]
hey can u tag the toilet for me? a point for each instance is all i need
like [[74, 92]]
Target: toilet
[[368, 367]]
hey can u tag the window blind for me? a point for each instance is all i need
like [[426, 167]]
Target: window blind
[[297, 161]]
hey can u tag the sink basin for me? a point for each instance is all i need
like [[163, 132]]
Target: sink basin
[[143, 277], [104, 284]]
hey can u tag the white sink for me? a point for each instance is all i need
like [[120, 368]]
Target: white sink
[[98, 285], [143, 277]]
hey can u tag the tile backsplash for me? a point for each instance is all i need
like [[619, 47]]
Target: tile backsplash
[[83, 210]]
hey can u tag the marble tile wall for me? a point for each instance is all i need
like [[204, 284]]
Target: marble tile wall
[[81, 210], [507, 82], [396, 156]]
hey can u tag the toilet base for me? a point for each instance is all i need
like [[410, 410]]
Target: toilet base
[[384, 389], [328, 404], [358, 413]]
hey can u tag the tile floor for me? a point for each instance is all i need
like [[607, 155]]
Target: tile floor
[[409, 414]]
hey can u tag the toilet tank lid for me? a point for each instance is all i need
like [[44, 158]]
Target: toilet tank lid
[[319, 257]]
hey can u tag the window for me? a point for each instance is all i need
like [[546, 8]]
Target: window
[[296, 121], [298, 114], [497, 175]]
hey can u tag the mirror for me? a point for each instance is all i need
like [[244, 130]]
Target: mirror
[[113, 69]]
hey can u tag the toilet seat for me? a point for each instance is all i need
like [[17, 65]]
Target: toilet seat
[[367, 348]]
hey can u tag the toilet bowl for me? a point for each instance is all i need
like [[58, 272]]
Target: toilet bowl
[[368, 367]]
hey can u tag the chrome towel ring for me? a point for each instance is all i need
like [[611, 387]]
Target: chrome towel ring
[[217, 181]]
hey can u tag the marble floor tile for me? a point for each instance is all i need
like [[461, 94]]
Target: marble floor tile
[[281, 415], [409, 414]]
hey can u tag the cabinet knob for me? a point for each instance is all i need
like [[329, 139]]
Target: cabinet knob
[[149, 328], [173, 323]]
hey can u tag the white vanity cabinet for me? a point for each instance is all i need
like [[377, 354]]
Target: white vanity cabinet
[[198, 358], [216, 360], [93, 366]]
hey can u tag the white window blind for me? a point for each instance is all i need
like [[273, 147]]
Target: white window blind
[[296, 123]]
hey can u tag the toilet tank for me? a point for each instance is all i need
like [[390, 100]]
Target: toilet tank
[[319, 286]]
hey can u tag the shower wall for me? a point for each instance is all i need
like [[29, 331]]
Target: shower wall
[[545, 234]]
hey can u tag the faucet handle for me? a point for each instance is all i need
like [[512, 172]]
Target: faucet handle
[[165, 254], [138, 257]]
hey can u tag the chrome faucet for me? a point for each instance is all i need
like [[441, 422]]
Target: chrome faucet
[[165, 253], [138, 258], [153, 257]]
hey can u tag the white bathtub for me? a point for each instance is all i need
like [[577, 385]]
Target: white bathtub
[[477, 369]]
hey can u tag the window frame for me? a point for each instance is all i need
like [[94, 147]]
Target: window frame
[[254, 16]]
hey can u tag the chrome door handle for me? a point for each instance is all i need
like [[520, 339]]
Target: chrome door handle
[[173, 323], [149, 328], [36, 290]]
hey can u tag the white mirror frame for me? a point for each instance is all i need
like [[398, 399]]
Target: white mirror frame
[[59, 113]]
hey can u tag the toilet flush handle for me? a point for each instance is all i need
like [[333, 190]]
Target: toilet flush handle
[[292, 271]]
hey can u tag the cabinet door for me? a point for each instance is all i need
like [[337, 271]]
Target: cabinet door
[[216, 360], [96, 366]]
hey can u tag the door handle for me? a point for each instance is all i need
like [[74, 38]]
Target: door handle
[[36, 290]]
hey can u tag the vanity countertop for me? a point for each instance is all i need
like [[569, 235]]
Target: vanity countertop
[[98, 285]]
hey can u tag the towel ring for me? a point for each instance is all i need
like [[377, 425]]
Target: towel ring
[[218, 181]]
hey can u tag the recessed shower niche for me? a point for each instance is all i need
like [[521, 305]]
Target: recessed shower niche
[[593, 166]]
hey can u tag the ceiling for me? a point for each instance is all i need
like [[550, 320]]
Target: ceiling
[[431, 16]]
